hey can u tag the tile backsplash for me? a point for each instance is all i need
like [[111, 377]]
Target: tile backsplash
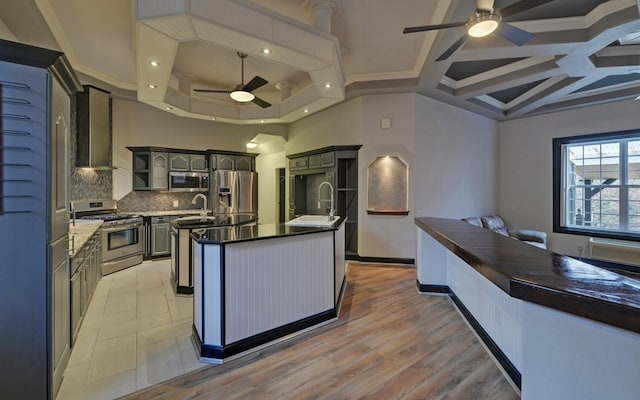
[[157, 201]]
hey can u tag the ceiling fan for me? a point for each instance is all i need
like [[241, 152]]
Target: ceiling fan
[[242, 92], [484, 21]]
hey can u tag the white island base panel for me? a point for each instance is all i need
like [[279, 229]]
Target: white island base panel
[[558, 355], [245, 291]]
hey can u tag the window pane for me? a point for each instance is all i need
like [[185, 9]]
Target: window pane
[[634, 223], [594, 187], [594, 164], [633, 160], [602, 208]]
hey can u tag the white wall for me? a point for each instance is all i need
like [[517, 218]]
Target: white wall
[[526, 170], [456, 161], [335, 126], [384, 235], [137, 124], [355, 122], [451, 154], [266, 166]]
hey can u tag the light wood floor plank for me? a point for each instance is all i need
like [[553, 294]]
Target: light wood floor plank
[[389, 343]]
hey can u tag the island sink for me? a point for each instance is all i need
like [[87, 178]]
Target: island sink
[[313, 220]]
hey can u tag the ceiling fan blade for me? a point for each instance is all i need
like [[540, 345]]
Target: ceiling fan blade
[[255, 83], [424, 28], [211, 91], [453, 48], [521, 6], [515, 35], [261, 102]]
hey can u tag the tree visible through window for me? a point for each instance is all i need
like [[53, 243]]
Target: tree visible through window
[[597, 184]]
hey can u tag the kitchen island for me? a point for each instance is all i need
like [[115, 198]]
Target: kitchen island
[[182, 248], [262, 284], [561, 328]]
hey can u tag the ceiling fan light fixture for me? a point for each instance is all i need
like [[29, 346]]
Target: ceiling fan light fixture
[[241, 96], [483, 23]]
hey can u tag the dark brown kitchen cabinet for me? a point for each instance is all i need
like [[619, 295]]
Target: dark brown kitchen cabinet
[[178, 162], [85, 274], [198, 163], [225, 162], [337, 165], [244, 163], [150, 170], [232, 162], [299, 163]]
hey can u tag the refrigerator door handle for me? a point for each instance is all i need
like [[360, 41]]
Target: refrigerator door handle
[[236, 192]]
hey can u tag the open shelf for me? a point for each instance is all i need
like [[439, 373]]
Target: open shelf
[[388, 212]]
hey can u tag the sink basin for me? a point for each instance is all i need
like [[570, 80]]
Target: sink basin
[[195, 220], [312, 220]]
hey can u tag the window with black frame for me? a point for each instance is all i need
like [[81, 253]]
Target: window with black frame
[[597, 185]]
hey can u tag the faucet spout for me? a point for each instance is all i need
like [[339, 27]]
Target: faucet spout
[[332, 211], [204, 203]]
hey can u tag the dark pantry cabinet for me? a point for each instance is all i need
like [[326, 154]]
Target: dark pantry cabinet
[[35, 89]]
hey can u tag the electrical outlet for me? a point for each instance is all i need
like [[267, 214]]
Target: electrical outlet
[[175, 204]]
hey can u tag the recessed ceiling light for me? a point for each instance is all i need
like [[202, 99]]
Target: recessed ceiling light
[[262, 121], [306, 110], [213, 118], [252, 145], [266, 50], [154, 63], [328, 85], [168, 108], [152, 86]]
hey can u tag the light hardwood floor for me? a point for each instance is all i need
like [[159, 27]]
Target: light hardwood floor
[[389, 343]]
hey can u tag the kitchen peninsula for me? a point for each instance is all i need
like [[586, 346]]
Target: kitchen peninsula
[[265, 282], [564, 328], [182, 248]]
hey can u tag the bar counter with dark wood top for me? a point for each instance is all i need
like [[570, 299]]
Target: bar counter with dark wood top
[[539, 276], [561, 328]]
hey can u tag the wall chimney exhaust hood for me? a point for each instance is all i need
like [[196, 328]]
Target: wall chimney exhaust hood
[[93, 122]]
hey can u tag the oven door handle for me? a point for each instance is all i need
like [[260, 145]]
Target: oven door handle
[[121, 227]]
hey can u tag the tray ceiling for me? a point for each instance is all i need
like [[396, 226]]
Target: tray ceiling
[[584, 52]]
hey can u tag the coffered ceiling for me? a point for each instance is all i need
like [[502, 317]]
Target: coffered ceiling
[[583, 52]]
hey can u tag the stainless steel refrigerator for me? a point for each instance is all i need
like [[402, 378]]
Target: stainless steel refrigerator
[[234, 192]]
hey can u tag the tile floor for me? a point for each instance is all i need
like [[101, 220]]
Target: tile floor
[[136, 333]]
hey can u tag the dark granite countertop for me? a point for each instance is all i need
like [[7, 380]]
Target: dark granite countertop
[[241, 233], [213, 221], [540, 276]]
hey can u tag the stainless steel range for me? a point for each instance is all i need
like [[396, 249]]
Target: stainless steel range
[[121, 233]]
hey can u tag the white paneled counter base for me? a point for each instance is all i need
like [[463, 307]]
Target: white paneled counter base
[[561, 328], [267, 282]]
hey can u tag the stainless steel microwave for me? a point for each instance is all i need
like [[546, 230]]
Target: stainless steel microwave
[[189, 181]]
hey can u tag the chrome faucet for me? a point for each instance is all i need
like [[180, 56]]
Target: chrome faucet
[[204, 203], [332, 211]]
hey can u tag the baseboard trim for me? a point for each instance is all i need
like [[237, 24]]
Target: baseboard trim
[[222, 352], [504, 361], [422, 288], [380, 260]]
